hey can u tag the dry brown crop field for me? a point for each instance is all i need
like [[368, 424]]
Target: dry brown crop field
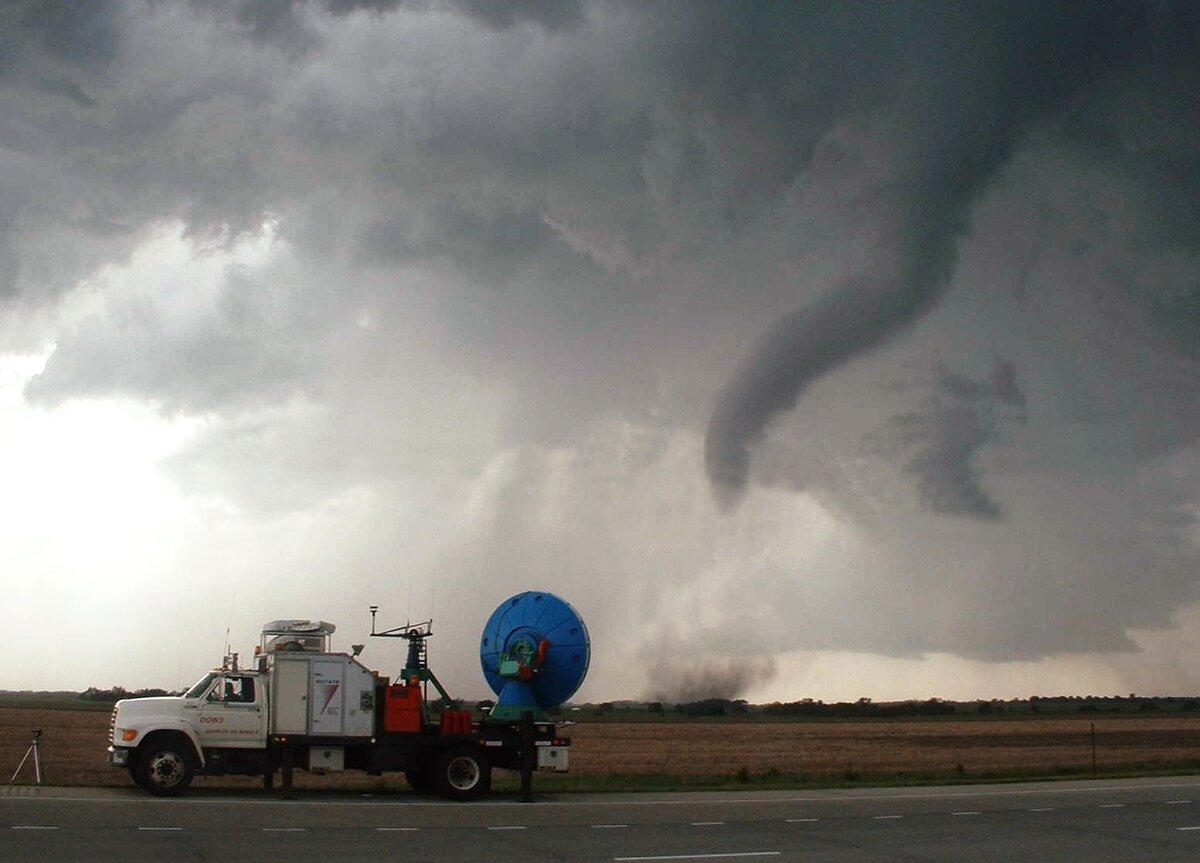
[[885, 747], [74, 743]]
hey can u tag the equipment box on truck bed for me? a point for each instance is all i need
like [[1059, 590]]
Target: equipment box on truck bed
[[321, 695]]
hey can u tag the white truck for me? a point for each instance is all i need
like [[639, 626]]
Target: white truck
[[304, 706]]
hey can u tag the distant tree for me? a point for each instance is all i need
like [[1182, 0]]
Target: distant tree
[[714, 707], [93, 693], [116, 693], [935, 707]]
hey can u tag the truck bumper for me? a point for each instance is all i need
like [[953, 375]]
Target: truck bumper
[[119, 757]]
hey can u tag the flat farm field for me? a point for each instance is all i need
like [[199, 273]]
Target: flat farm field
[[885, 748], [74, 751]]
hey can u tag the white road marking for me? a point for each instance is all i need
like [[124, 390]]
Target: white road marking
[[159, 829], [508, 828], [707, 823], [1187, 828], [802, 820], [704, 856], [31, 827], [887, 817], [968, 812], [1177, 802], [1042, 809], [396, 829], [608, 826], [283, 830], [1111, 806]]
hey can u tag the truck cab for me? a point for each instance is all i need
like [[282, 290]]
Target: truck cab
[[229, 710], [222, 723]]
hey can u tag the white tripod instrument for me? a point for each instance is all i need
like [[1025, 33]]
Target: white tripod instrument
[[36, 752]]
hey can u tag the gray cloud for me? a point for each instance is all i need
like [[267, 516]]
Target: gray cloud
[[186, 348]]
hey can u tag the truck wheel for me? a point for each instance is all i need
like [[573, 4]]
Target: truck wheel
[[165, 768], [462, 773]]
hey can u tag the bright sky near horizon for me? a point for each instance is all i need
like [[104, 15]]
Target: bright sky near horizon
[[808, 350]]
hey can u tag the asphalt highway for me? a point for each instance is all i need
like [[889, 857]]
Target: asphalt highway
[[1114, 820]]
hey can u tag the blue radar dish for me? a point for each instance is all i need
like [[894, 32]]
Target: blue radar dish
[[534, 652]]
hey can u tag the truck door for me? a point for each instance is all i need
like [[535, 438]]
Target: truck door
[[289, 696], [231, 714]]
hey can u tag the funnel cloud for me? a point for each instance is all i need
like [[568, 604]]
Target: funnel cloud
[[981, 75]]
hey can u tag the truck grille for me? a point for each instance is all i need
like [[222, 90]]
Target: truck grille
[[112, 725]]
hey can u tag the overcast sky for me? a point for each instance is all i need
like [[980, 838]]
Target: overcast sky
[[809, 350]]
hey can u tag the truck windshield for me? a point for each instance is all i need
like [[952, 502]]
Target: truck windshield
[[203, 684]]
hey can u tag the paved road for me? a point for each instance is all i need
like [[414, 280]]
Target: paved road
[[1127, 820]]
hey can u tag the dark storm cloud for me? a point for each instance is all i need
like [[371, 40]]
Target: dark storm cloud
[[960, 418], [489, 244], [973, 79], [551, 14], [112, 147], [46, 48], [519, 247], [285, 22], [79, 33], [289, 23]]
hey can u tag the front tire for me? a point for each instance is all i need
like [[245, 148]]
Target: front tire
[[462, 773], [165, 768]]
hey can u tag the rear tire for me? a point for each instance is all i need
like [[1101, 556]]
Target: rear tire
[[462, 773], [165, 768]]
